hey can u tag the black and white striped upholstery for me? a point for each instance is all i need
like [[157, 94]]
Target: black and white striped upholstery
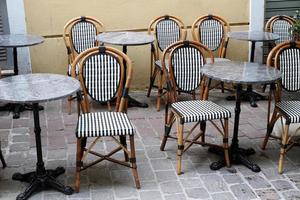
[[102, 75], [290, 69], [186, 63], [70, 69], [83, 36], [211, 33], [290, 109], [167, 32], [104, 124], [196, 110], [282, 28]]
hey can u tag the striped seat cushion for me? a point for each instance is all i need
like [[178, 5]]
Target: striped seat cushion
[[290, 109], [104, 124], [196, 110]]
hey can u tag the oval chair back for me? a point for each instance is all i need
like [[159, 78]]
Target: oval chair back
[[280, 24], [211, 30]]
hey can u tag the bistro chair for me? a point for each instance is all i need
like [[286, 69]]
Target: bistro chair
[[185, 61], [103, 77], [211, 30], [167, 29], [280, 24], [286, 114], [79, 35]]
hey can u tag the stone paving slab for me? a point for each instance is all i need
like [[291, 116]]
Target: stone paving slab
[[157, 169]]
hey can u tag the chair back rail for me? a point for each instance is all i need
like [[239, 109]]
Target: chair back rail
[[184, 63], [211, 30], [102, 76], [280, 24], [80, 34]]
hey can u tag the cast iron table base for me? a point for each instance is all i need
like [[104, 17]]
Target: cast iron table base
[[41, 179], [237, 154]]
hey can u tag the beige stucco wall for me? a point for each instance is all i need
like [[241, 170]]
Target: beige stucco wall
[[47, 18]]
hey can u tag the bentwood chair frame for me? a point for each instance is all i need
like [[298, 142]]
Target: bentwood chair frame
[[280, 24], [120, 92], [289, 110], [79, 35], [219, 28], [176, 31], [172, 76], [211, 30]]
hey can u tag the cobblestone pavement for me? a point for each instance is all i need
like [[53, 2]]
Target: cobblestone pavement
[[107, 181]]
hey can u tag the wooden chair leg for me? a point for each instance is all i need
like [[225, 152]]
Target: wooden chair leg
[[123, 142], [133, 163], [79, 154], [225, 143], [180, 145], [283, 148], [69, 105], [269, 130], [160, 91], [2, 158], [168, 127]]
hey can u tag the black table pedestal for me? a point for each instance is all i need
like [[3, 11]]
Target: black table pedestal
[[131, 101], [41, 179], [237, 155]]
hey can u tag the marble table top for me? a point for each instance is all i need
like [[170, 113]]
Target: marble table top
[[241, 72], [20, 40], [34, 88], [256, 36], [125, 38]]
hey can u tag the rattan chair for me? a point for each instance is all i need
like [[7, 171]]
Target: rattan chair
[[185, 61], [167, 30], [79, 35], [211, 30], [286, 58], [102, 75], [280, 24]]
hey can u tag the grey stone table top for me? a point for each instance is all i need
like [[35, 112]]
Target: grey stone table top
[[34, 88], [125, 38], [241, 72], [20, 40], [256, 36]]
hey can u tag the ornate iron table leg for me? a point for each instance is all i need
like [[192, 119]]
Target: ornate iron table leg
[[41, 178]]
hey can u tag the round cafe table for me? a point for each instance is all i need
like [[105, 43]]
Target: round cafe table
[[16, 41], [33, 89], [253, 37], [239, 73], [125, 39]]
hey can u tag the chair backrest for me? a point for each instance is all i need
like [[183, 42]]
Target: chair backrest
[[185, 61], [286, 58], [211, 30], [167, 30], [101, 74], [80, 34], [280, 24]]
